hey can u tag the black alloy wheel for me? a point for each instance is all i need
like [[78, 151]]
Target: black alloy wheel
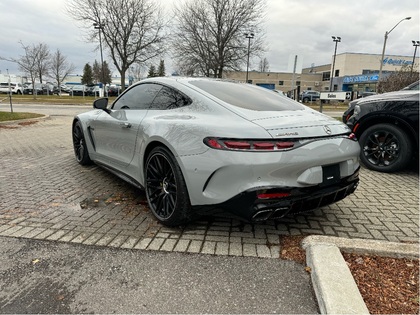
[[166, 191], [385, 148], [79, 145]]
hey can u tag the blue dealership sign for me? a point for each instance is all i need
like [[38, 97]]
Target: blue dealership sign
[[361, 78], [396, 62]]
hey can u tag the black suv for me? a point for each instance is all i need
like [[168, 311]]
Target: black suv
[[349, 112], [387, 126]]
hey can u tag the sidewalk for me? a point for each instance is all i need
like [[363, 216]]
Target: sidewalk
[[53, 277]]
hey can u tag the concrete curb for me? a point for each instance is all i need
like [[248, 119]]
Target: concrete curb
[[334, 285], [362, 246]]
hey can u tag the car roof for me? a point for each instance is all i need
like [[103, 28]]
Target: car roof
[[185, 81]]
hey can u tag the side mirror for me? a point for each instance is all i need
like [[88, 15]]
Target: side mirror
[[101, 103]]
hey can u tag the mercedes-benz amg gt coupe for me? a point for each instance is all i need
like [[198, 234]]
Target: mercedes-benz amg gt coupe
[[196, 144]]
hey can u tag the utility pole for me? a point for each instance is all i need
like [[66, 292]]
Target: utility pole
[[10, 92]]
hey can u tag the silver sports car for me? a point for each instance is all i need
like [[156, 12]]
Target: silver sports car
[[194, 144]]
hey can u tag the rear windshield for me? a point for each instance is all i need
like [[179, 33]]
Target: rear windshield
[[247, 96]]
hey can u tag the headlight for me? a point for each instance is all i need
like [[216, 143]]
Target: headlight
[[357, 110]]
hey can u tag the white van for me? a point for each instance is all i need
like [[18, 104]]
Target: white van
[[16, 88]]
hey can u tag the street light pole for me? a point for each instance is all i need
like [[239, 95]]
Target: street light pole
[[336, 40], [99, 26], [416, 44], [383, 49], [10, 92], [249, 36]]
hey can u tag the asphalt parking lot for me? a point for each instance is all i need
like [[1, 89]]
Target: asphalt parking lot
[[46, 195]]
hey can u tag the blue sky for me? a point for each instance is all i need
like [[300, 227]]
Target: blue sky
[[301, 27]]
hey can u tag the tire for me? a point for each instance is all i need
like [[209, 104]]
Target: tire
[[79, 145], [166, 190], [305, 100], [385, 148]]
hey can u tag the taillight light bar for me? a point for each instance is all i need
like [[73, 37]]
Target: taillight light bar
[[248, 145], [277, 195]]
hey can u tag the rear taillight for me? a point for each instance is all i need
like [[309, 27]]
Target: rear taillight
[[248, 145], [273, 195], [241, 145]]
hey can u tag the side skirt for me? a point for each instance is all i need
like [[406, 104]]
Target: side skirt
[[121, 175]]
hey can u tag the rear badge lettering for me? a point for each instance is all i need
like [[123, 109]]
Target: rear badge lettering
[[287, 134]]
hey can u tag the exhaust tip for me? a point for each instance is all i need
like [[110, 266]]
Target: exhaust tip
[[262, 215], [280, 212]]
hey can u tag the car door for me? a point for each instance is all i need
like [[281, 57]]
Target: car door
[[115, 131]]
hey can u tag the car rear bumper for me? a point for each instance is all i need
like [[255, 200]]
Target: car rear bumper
[[218, 176], [250, 206]]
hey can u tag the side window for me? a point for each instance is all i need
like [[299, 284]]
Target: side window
[[169, 99], [138, 97]]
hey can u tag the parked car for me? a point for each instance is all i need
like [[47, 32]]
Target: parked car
[[365, 94], [39, 89], [65, 88], [13, 87], [78, 90], [387, 126], [92, 91], [114, 91], [195, 144], [48, 88], [350, 110], [310, 96], [56, 90], [413, 86]]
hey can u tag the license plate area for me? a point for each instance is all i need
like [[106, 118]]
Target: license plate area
[[330, 175]]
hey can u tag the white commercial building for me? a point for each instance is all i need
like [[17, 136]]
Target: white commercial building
[[356, 72]]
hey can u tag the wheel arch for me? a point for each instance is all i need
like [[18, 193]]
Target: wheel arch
[[149, 149], [150, 146], [75, 120], [156, 143]]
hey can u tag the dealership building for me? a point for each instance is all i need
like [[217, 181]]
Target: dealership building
[[352, 72]]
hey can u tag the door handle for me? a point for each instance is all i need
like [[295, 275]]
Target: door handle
[[125, 125]]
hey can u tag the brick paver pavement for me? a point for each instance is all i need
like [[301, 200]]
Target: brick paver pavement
[[45, 194]]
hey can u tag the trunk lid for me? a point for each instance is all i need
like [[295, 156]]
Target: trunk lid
[[306, 123]]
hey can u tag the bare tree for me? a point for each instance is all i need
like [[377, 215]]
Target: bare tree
[[210, 34], [42, 60], [132, 29], [60, 68], [34, 62], [264, 66], [136, 71], [398, 80], [28, 63]]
